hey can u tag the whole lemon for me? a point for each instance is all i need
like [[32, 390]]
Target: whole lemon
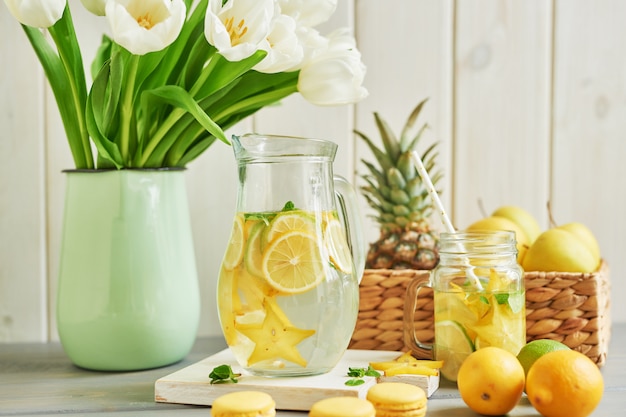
[[522, 218], [491, 381], [557, 249], [564, 383], [532, 351]]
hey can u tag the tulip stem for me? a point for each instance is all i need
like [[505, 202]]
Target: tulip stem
[[126, 112]]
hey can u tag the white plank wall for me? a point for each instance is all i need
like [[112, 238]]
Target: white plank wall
[[527, 100]]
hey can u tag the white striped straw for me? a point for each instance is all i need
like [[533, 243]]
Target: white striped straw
[[442, 211]]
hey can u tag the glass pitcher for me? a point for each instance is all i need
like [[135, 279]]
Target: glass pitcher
[[479, 298], [288, 293]]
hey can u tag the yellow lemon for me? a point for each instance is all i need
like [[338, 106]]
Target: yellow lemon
[[564, 383], [502, 223], [491, 381]]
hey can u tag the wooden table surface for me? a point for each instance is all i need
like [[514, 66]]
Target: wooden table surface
[[39, 380]]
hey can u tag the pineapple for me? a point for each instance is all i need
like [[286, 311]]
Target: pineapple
[[401, 199]]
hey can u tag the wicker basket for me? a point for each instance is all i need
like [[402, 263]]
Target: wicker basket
[[571, 308]]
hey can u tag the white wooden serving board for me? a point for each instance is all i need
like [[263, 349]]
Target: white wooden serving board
[[191, 385]]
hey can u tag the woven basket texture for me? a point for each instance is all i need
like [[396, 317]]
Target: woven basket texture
[[572, 308]]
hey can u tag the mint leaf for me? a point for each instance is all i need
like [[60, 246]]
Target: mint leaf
[[264, 217], [502, 298], [356, 372], [357, 375], [354, 382], [289, 206], [372, 372], [223, 374]]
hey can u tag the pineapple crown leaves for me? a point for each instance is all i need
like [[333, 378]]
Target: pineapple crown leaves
[[394, 188]]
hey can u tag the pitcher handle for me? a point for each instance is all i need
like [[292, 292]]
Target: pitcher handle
[[410, 338], [349, 214]]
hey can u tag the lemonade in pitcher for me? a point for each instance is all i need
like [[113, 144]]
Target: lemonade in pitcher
[[287, 294], [288, 288]]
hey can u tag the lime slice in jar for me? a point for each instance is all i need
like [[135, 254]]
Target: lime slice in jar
[[453, 346], [254, 250]]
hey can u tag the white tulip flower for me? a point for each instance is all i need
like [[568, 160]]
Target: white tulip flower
[[308, 13], [333, 75], [238, 28], [143, 26], [36, 13], [284, 50], [96, 7]]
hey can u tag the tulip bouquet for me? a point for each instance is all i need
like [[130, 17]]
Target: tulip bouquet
[[172, 75]]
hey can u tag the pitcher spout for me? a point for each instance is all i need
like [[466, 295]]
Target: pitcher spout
[[236, 144], [273, 148]]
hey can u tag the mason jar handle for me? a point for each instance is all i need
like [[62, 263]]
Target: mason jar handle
[[410, 338], [350, 218]]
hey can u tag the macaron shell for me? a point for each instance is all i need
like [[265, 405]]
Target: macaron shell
[[401, 413], [244, 404], [393, 399], [342, 407]]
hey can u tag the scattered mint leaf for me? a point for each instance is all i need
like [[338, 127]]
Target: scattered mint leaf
[[357, 375], [354, 382], [484, 299], [223, 374], [356, 372], [372, 372]]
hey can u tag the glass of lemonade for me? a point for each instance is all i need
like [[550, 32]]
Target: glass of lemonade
[[288, 284], [479, 298]]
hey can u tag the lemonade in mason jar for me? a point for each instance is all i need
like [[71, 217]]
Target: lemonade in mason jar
[[479, 297]]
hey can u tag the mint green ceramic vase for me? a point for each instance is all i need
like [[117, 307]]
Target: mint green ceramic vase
[[128, 296]]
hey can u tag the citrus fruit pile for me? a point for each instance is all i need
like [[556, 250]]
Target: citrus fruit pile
[[559, 382]]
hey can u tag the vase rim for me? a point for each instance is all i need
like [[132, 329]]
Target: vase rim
[[96, 171]]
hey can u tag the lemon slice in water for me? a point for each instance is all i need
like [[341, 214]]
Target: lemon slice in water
[[337, 246], [234, 251], [453, 346], [292, 263], [288, 222]]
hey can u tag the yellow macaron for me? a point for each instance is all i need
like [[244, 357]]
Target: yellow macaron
[[244, 404], [397, 399], [342, 407]]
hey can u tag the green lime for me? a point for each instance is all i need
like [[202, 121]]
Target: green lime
[[453, 345], [536, 349]]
